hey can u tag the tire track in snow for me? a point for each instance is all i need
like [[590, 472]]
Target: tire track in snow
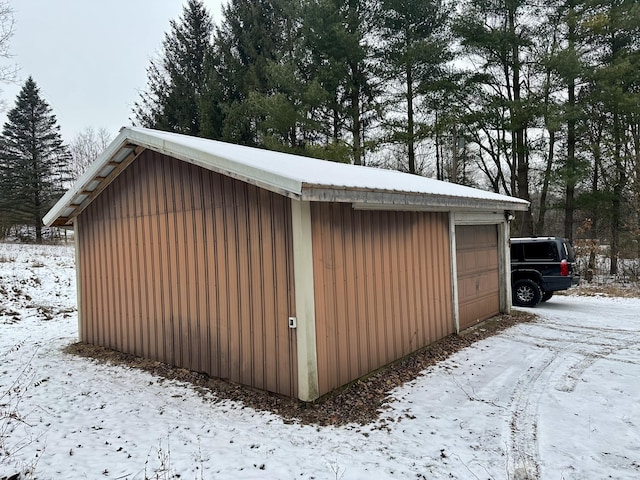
[[523, 456], [572, 356], [577, 335], [575, 370], [585, 346], [569, 327]]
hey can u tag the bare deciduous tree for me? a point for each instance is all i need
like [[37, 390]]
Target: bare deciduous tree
[[85, 148], [7, 71]]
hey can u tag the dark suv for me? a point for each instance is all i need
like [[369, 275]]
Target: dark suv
[[539, 267]]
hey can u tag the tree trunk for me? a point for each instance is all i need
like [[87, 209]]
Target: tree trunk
[[615, 232], [38, 218], [572, 167], [438, 154], [453, 173], [525, 220], [410, 125], [356, 121], [356, 130], [595, 138], [545, 183], [336, 121], [616, 203]]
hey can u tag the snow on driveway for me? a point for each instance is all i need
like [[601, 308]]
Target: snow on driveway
[[554, 399], [558, 399]]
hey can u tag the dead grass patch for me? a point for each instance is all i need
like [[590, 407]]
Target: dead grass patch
[[613, 290], [360, 402]]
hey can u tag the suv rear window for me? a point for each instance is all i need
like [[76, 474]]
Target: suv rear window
[[541, 251], [571, 253], [516, 252]]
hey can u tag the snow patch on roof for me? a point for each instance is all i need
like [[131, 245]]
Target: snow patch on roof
[[323, 173], [292, 175]]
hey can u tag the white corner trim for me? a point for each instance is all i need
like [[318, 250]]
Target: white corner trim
[[454, 271], [305, 303], [504, 261], [76, 248]]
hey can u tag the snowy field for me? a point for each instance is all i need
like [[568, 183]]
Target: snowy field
[[555, 399]]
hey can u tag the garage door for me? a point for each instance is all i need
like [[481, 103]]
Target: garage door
[[478, 279]]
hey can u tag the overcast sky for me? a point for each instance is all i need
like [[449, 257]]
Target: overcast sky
[[89, 57]]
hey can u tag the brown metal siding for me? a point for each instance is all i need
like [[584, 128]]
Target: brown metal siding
[[192, 268], [382, 287], [478, 278]]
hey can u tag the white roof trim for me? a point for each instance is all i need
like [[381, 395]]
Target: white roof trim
[[190, 150], [291, 175]]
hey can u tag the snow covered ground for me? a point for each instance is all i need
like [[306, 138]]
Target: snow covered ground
[[555, 399]]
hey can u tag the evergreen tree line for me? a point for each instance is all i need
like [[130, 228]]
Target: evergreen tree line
[[533, 99]]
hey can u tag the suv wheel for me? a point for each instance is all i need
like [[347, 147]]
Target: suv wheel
[[546, 296], [526, 293]]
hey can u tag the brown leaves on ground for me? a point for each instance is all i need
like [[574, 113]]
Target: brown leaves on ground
[[359, 402], [593, 289]]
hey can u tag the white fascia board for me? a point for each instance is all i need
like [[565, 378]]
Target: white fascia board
[[378, 199], [219, 164], [478, 218], [417, 202], [85, 179]]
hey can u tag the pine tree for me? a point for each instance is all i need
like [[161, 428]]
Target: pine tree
[[498, 36], [564, 67], [34, 162], [284, 113], [252, 36], [413, 54], [176, 81], [339, 42], [612, 32]]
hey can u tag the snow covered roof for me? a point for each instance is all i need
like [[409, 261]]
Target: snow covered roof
[[291, 175]]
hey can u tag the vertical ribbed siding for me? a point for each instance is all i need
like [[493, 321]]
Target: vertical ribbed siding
[[191, 268], [478, 273], [383, 287]]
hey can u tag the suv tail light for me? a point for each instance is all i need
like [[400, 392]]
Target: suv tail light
[[564, 268]]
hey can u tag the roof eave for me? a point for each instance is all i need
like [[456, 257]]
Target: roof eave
[[57, 215], [394, 200], [73, 203], [131, 142], [219, 164]]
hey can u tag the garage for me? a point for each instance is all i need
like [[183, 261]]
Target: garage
[[478, 273], [285, 273]]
